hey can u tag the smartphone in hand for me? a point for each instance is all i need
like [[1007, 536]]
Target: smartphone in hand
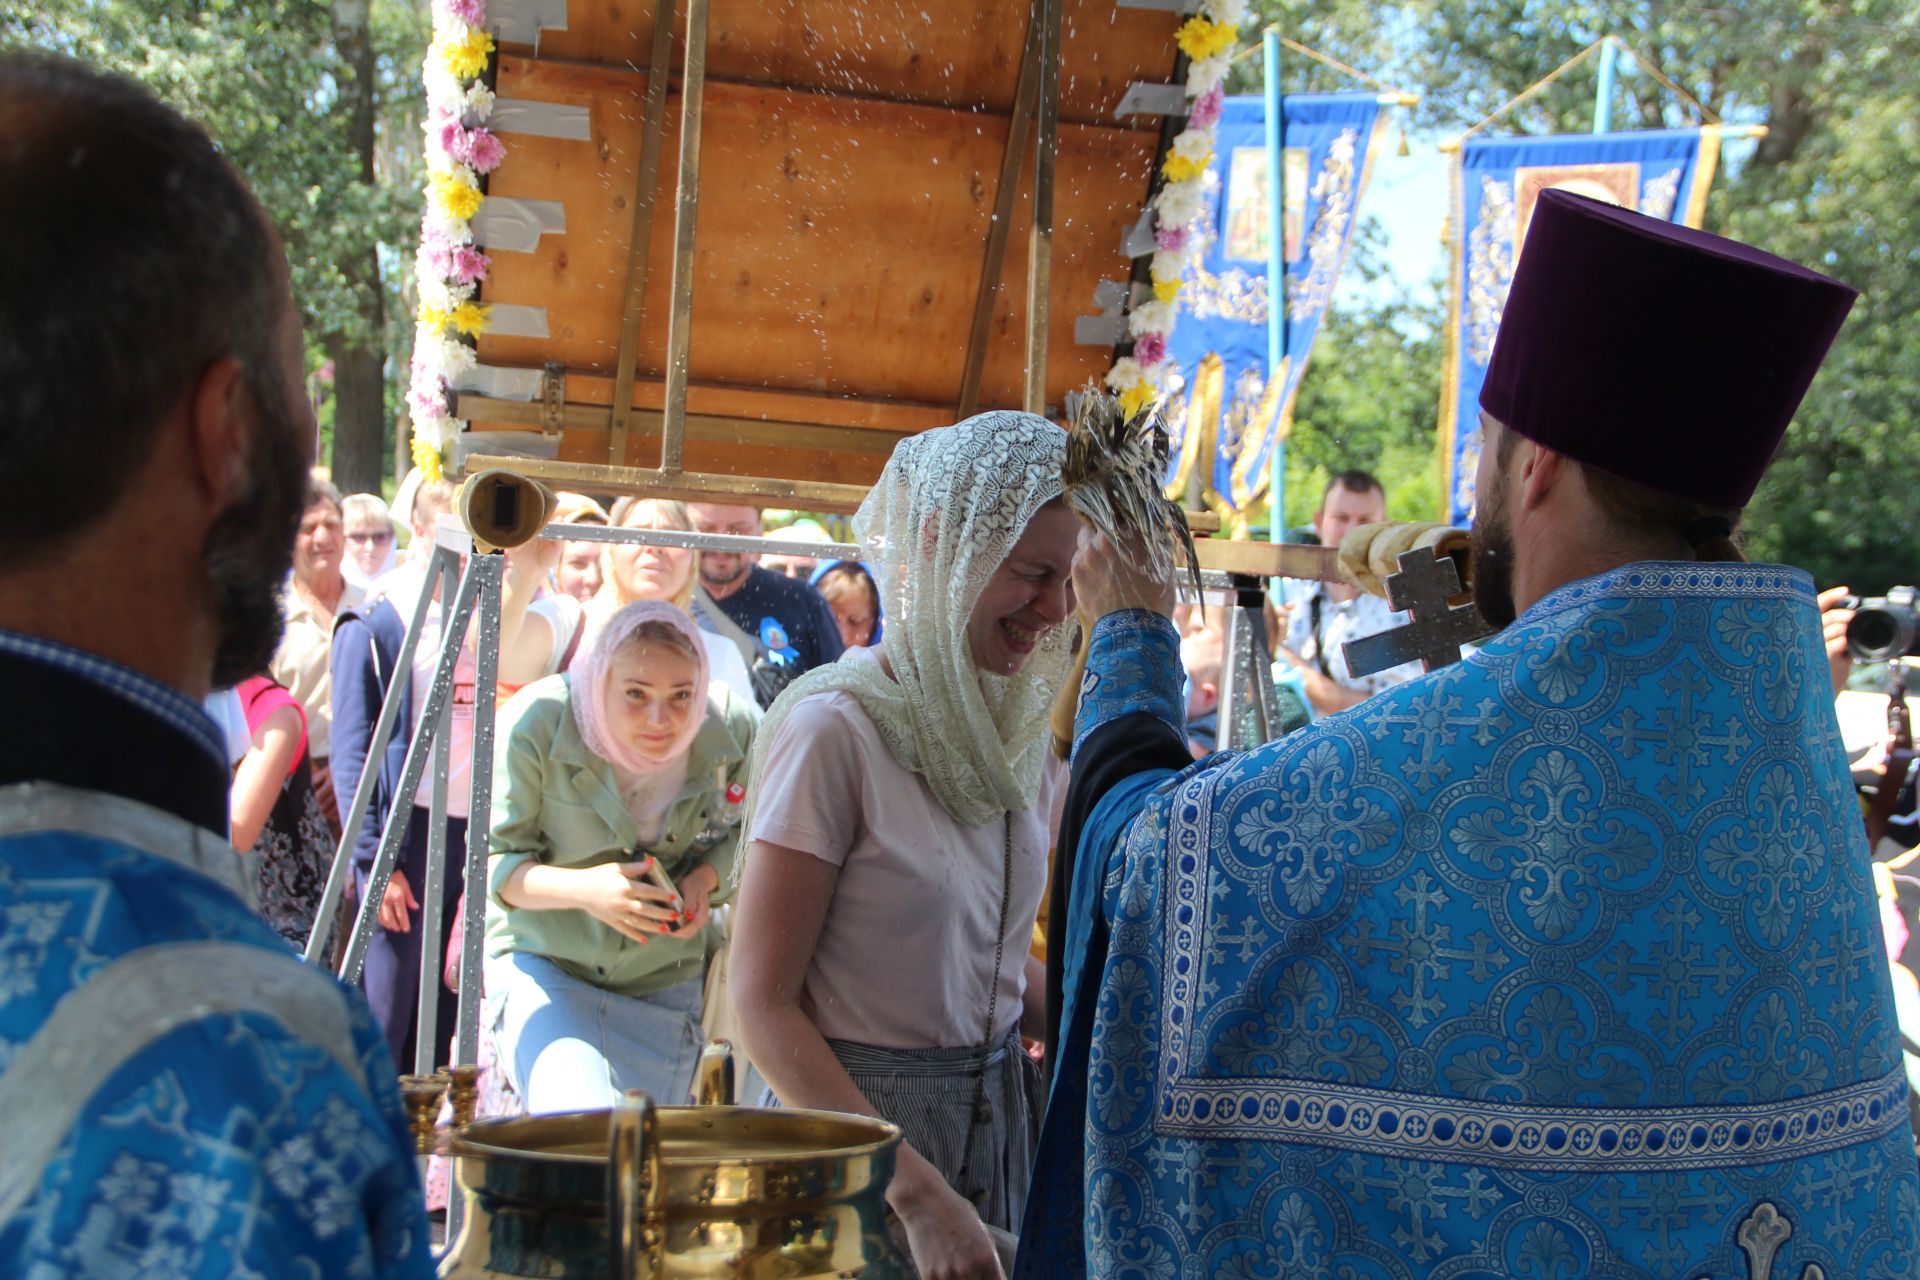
[[661, 880]]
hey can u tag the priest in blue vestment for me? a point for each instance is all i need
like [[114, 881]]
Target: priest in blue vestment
[[1559, 962], [179, 1095]]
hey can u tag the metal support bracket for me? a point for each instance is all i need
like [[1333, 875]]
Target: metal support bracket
[[553, 399], [1249, 708]]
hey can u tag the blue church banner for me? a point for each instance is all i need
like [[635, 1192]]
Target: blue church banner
[[1230, 408], [1664, 173]]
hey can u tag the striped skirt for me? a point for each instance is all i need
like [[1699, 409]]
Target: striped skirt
[[929, 1093]]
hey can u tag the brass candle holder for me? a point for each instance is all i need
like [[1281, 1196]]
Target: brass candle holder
[[463, 1087], [422, 1096]]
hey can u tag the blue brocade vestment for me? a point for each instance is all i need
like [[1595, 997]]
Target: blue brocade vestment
[[1560, 962], [213, 1107]]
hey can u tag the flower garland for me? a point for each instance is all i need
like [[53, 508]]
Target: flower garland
[[449, 268], [1207, 39]]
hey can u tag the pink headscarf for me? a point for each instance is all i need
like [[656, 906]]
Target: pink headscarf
[[590, 674]]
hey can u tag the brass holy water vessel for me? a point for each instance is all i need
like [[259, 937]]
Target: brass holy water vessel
[[660, 1193]]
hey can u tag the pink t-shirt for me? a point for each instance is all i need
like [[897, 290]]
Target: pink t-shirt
[[906, 952]]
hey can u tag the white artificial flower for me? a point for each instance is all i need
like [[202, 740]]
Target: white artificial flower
[[1152, 316], [435, 432], [478, 104], [444, 357], [435, 294], [1195, 145], [1125, 373], [445, 94], [443, 295], [1206, 75], [1181, 203], [1170, 264], [1228, 13]]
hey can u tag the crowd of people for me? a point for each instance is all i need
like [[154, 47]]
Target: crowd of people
[[1453, 924]]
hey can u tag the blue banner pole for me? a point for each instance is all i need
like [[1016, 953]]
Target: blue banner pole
[[1603, 96], [1276, 279]]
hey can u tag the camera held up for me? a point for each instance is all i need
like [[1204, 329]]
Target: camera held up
[[1884, 627]]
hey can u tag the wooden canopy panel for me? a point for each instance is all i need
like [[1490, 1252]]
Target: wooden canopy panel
[[951, 53], [850, 164]]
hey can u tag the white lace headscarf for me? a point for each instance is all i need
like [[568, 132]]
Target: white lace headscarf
[[944, 516]]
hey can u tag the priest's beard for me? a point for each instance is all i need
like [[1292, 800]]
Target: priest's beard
[[1493, 561], [250, 546]]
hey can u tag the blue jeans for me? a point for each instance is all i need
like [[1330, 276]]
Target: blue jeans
[[568, 1045]]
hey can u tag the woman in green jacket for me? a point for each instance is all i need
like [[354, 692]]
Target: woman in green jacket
[[593, 970]]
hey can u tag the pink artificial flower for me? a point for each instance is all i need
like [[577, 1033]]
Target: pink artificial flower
[[1150, 348], [451, 137], [1170, 238], [1206, 108], [438, 251], [428, 398], [484, 151], [471, 12], [469, 265]]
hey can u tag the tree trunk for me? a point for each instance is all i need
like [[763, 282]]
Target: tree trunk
[[360, 408], [359, 415]]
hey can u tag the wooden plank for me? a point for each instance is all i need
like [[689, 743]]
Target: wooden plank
[[1040, 228], [1004, 190], [810, 495], [1266, 559], [686, 221], [840, 247], [685, 486], [640, 237], [956, 55], [753, 433]]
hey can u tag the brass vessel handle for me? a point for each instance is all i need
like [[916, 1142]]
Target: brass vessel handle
[[713, 1083], [633, 1187]]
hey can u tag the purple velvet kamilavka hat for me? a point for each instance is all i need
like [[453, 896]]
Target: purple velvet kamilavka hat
[[1662, 354]]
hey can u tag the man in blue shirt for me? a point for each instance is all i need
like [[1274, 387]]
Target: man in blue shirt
[[777, 622], [179, 1095]]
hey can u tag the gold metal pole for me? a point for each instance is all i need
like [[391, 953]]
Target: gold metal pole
[[644, 183], [1040, 242], [693, 87]]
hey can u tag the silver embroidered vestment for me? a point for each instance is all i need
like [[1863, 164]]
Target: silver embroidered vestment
[[180, 1096], [1560, 962]]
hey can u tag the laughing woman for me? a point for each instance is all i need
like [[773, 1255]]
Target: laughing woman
[[903, 800], [594, 973]]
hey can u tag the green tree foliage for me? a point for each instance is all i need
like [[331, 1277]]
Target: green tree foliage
[[1833, 185], [267, 81]]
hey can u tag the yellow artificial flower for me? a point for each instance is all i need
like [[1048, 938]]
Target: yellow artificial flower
[[434, 320], [456, 197], [427, 458], [469, 318], [1180, 169], [1135, 398], [1166, 290], [1201, 39], [466, 57]]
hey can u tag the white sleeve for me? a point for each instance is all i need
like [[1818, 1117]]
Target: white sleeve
[[563, 615], [725, 665], [231, 719]]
